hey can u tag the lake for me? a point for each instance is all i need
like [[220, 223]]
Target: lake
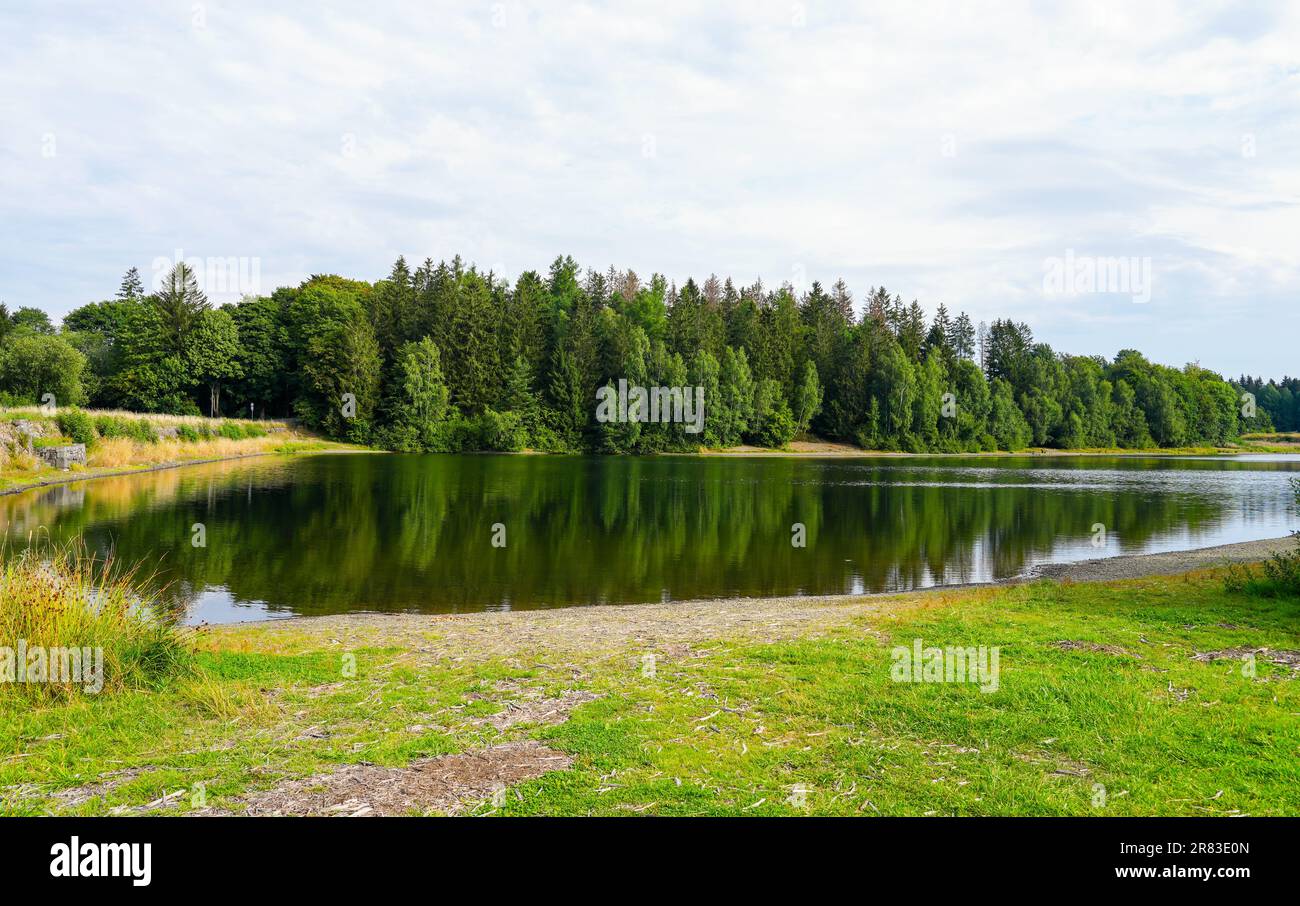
[[343, 533]]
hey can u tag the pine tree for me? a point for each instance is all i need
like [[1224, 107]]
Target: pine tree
[[940, 333], [878, 307], [393, 312], [472, 354], [911, 331], [519, 395], [842, 300], [179, 303], [961, 337], [569, 401], [131, 288]]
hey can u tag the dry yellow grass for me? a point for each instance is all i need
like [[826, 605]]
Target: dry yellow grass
[[123, 452], [19, 461]]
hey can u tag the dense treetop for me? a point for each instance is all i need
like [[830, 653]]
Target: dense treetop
[[445, 357]]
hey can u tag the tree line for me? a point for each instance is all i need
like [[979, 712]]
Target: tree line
[[446, 357]]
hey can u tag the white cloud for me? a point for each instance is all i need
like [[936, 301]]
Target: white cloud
[[682, 138]]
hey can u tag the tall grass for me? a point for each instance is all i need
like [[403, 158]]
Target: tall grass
[[62, 597], [120, 452], [154, 418]]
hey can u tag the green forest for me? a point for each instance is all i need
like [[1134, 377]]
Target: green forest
[[448, 358]]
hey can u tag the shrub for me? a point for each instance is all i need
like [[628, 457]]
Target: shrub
[[398, 438], [109, 426], [547, 440], [463, 434], [62, 597], [502, 431], [187, 433], [140, 429], [231, 430], [77, 425], [778, 427]]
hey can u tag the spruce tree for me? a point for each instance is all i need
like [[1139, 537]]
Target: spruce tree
[[131, 288]]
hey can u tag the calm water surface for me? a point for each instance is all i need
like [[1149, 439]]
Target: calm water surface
[[340, 533]]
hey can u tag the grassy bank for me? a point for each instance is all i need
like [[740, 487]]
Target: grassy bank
[[118, 442], [1165, 696]]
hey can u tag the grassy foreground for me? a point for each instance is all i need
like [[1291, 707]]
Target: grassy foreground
[[1102, 708]]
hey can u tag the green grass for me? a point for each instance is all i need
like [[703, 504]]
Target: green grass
[[737, 726], [1162, 734]]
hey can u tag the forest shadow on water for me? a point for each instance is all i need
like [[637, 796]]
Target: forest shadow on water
[[445, 533]]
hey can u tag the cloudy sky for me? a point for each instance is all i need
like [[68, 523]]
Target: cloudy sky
[[953, 153]]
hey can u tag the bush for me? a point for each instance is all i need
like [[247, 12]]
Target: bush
[[399, 439], [241, 430], [137, 429], [77, 425], [502, 431], [109, 426], [778, 426], [141, 429], [463, 434], [187, 433], [61, 597]]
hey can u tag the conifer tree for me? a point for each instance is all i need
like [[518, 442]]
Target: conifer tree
[[131, 288]]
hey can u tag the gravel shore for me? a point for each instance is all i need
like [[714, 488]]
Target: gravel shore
[[1167, 564]]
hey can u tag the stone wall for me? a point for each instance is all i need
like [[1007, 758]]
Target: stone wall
[[18, 434], [63, 457]]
